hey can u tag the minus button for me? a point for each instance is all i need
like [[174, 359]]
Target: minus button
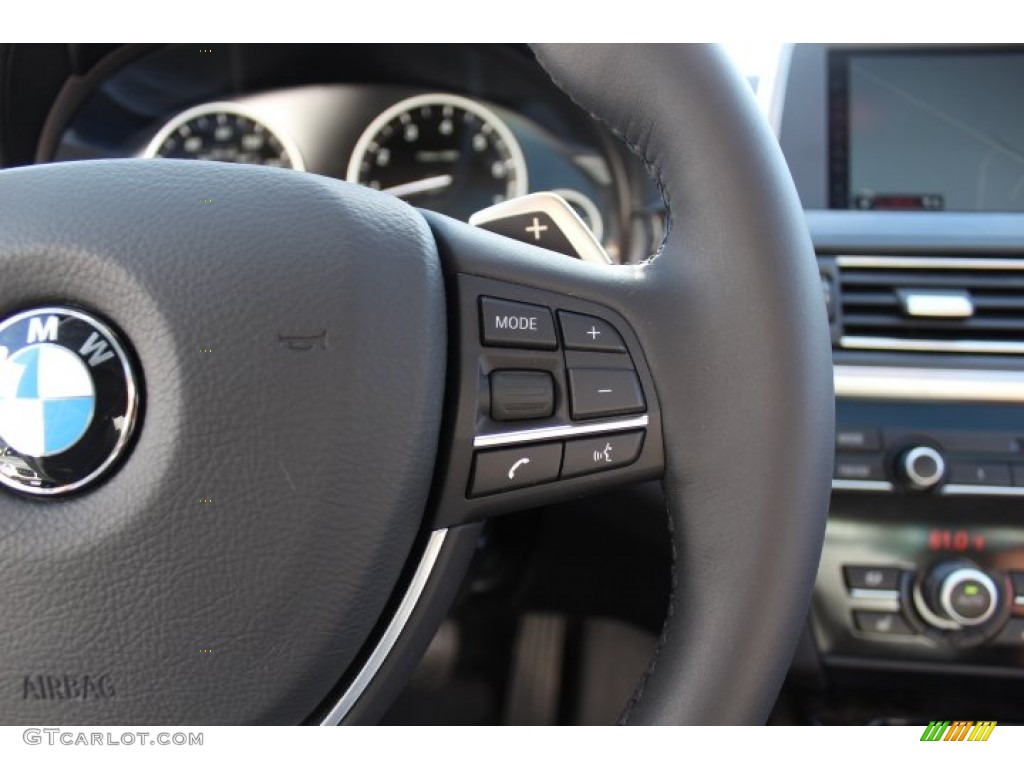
[[597, 392]]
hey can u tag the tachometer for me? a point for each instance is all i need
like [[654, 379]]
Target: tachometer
[[443, 152], [227, 132]]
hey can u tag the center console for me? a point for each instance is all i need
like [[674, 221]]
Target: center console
[[915, 202], [924, 551]]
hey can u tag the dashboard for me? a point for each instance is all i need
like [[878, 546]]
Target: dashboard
[[906, 160], [446, 143]]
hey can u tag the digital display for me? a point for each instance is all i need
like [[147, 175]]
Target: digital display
[[917, 130], [955, 540]]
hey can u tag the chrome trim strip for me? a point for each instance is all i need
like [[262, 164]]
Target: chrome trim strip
[[387, 641], [942, 384], [955, 489], [861, 485], [555, 433], [1018, 600], [932, 345], [875, 594], [927, 262]]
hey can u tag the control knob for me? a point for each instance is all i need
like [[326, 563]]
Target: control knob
[[921, 468], [959, 595]]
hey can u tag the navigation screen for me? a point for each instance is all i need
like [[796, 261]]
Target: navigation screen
[[926, 131]]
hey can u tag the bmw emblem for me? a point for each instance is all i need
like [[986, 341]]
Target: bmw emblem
[[68, 400]]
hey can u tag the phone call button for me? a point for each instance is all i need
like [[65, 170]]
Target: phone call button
[[510, 468]]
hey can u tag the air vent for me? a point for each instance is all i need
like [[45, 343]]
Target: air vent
[[931, 304]]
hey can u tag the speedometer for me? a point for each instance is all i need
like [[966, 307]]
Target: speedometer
[[226, 132], [443, 152]]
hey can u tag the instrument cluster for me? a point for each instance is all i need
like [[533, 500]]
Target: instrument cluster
[[437, 148]]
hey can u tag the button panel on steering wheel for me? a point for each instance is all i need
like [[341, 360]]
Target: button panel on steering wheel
[[554, 400]]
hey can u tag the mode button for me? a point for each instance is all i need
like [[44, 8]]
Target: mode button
[[512, 324]]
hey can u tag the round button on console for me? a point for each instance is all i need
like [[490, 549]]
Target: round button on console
[[957, 596], [968, 596], [922, 467]]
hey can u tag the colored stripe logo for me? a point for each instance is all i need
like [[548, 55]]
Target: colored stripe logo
[[958, 730]]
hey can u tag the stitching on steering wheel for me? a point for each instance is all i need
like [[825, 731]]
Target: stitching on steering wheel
[[652, 167], [655, 171]]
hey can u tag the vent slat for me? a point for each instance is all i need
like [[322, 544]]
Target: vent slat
[[919, 278], [957, 328], [981, 301], [874, 299], [871, 306]]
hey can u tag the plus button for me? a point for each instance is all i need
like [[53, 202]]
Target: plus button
[[537, 228]]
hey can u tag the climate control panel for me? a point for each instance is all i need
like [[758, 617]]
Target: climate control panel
[[921, 590]]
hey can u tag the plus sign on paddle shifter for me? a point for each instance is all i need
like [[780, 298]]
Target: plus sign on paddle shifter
[[536, 228], [545, 220]]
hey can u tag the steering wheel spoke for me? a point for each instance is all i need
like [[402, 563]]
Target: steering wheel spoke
[[551, 395]]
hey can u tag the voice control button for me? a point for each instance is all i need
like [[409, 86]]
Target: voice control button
[[596, 454]]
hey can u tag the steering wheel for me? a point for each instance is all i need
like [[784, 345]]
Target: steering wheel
[[275, 531]]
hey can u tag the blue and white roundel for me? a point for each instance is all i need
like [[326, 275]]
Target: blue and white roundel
[[47, 400]]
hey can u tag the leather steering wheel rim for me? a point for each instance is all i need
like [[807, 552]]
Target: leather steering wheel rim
[[749, 440]]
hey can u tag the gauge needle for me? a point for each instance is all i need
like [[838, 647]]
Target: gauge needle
[[428, 184]]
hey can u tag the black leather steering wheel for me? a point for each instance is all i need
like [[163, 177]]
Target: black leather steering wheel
[[297, 506]]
